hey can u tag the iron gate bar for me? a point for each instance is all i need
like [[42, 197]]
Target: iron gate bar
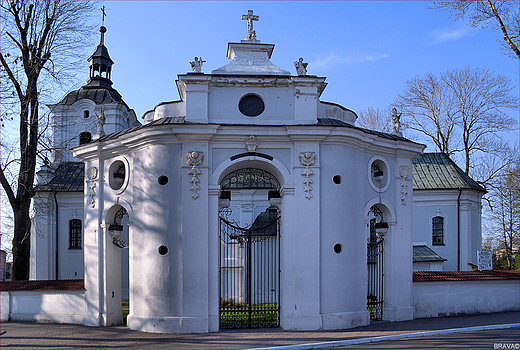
[[261, 273], [375, 291]]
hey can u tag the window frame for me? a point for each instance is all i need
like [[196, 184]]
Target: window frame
[[438, 229], [75, 233]]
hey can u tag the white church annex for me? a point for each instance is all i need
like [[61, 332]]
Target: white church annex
[[247, 203]]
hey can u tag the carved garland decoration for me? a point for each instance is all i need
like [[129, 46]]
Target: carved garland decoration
[[194, 158], [404, 172], [92, 174], [307, 159]]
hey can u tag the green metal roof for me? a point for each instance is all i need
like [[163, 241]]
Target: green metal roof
[[435, 171], [422, 253], [68, 177]]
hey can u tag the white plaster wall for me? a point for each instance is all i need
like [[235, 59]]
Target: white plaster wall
[[43, 241], [70, 261], [427, 266], [342, 221], [156, 279], [223, 105], [428, 204], [398, 244], [62, 307], [434, 299], [178, 292], [69, 122]]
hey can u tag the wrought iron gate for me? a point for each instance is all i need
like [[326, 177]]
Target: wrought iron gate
[[375, 277], [250, 273]]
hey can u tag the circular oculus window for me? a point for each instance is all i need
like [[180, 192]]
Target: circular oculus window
[[251, 105]]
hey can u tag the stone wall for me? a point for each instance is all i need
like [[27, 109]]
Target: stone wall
[[448, 293]]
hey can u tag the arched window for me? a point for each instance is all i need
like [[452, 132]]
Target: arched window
[[438, 230], [249, 178], [75, 234], [84, 137]]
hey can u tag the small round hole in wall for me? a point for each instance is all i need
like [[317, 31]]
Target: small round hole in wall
[[338, 248], [336, 179], [163, 250], [163, 180]]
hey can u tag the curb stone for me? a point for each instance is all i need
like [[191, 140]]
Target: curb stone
[[347, 342]]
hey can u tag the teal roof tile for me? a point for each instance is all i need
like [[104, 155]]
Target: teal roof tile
[[434, 171]]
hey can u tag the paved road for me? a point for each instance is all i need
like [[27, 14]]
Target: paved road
[[505, 338], [20, 335]]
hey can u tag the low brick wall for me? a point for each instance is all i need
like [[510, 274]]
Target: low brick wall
[[446, 293], [51, 301]]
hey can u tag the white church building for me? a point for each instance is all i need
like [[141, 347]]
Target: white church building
[[249, 202]]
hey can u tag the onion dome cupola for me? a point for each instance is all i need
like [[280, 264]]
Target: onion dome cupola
[[100, 64]]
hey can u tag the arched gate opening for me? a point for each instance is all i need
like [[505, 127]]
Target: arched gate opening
[[249, 269]]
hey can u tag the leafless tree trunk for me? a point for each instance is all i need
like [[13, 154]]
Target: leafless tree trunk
[[500, 15], [461, 111], [505, 218], [33, 31]]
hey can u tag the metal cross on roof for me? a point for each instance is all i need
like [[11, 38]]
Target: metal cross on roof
[[251, 34], [104, 14]]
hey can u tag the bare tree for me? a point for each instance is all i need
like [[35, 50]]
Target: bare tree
[[461, 111], [499, 15], [41, 41], [375, 119], [505, 217]]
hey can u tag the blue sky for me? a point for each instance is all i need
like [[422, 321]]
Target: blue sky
[[366, 49]]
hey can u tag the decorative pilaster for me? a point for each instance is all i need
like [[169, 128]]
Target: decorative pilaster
[[194, 158], [307, 159]]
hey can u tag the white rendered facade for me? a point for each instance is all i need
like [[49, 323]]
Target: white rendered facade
[[461, 213], [322, 161], [197, 141]]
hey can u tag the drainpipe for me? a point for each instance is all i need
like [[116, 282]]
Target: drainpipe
[[57, 226], [458, 229]]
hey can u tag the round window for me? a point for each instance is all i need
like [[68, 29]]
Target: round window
[[117, 173], [251, 105]]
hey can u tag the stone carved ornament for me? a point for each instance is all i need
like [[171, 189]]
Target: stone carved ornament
[[196, 65], [404, 172], [301, 67], [396, 122], [92, 174], [101, 121], [307, 159], [251, 144], [194, 158]]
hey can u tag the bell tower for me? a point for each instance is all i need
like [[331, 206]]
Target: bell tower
[[100, 64]]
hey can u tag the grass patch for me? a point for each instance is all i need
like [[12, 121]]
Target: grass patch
[[237, 316], [126, 309]]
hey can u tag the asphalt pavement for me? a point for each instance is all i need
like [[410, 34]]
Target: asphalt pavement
[[491, 331]]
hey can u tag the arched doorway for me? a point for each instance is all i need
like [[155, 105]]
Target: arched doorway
[[117, 276], [249, 226]]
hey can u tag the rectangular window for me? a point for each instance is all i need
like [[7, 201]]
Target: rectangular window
[[75, 234], [438, 230]]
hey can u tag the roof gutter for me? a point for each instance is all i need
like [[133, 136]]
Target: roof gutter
[[57, 226], [458, 229]]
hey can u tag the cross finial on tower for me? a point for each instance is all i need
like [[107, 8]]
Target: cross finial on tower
[[104, 14], [251, 34]]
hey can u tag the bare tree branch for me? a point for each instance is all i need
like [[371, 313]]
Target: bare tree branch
[[34, 30], [500, 15]]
